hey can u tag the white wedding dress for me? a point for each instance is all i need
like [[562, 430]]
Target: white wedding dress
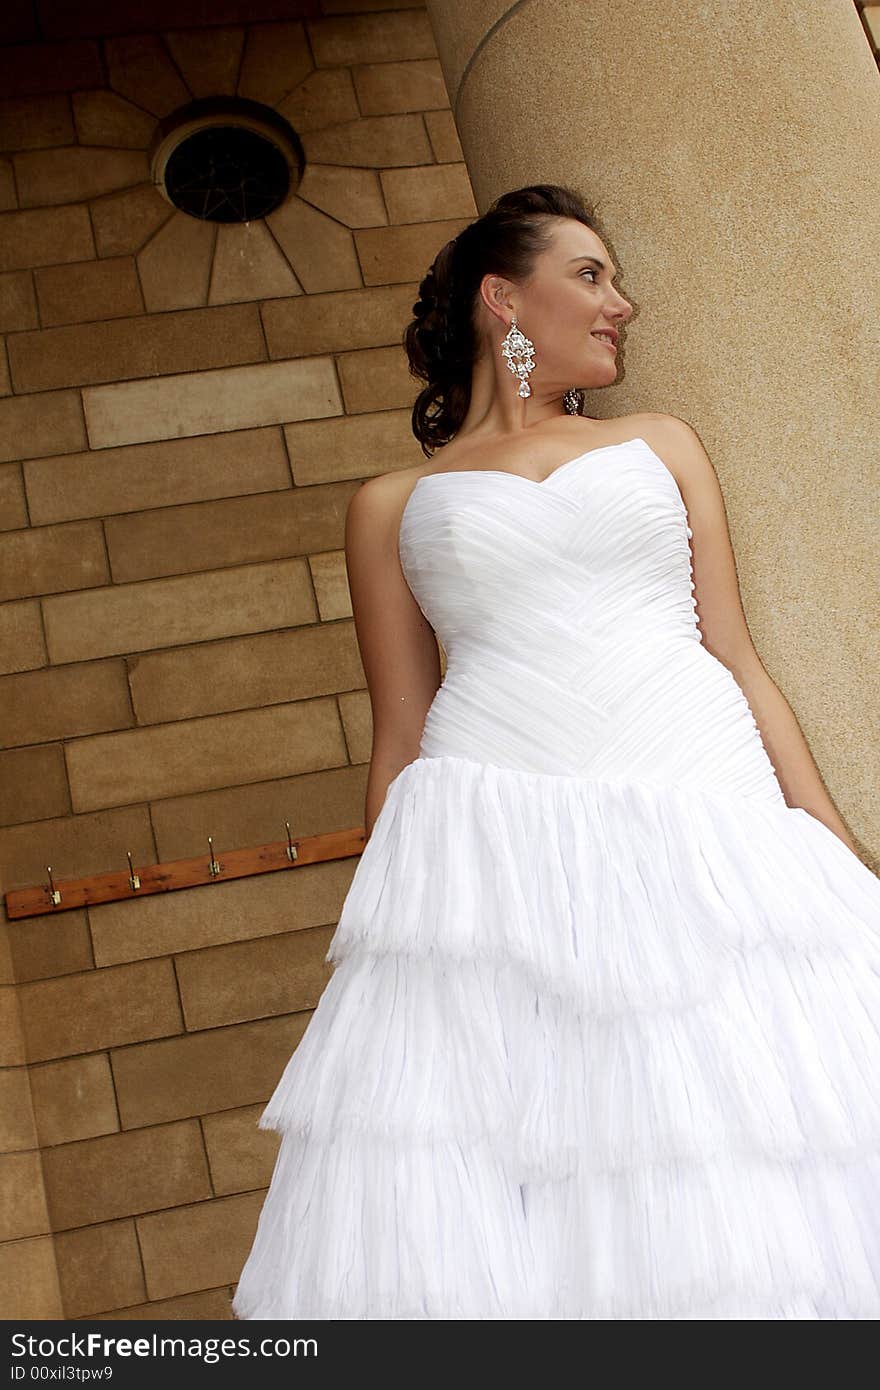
[[601, 1039]]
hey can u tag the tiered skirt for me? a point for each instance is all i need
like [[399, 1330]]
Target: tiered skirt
[[591, 1049]]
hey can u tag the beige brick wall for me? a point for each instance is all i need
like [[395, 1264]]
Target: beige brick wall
[[185, 411]]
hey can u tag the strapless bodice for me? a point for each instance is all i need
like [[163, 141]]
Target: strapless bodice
[[567, 613]]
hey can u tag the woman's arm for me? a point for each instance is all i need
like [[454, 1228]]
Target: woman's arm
[[398, 649], [724, 628], [789, 752]]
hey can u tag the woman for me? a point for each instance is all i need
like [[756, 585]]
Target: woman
[[602, 1037]]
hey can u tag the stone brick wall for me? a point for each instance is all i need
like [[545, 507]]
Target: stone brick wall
[[185, 411]]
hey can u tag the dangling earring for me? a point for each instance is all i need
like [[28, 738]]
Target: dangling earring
[[572, 401], [516, 345]]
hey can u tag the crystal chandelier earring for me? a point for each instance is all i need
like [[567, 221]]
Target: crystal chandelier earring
[[518, 351]]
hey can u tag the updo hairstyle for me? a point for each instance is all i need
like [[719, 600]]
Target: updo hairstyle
[[441, 341]]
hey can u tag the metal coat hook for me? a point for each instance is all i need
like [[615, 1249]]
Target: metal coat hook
[[213, 867], [54, 895], [94, 890], [291, 847]]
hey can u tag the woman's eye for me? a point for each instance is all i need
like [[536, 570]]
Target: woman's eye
[[590, 271]]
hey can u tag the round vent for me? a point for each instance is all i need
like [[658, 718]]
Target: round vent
[[226, 160]]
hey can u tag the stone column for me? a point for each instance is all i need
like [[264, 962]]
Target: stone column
[[730, 148]]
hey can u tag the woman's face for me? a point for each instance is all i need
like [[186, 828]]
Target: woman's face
[[569, 298]]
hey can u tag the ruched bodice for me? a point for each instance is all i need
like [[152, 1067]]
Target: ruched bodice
[[567, 613]]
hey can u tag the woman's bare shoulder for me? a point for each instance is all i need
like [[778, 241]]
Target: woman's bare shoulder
[[375, 509]]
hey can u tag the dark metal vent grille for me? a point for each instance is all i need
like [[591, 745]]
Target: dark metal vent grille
[[225, 173]]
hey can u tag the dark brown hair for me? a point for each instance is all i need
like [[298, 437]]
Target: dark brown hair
[[441, 340]]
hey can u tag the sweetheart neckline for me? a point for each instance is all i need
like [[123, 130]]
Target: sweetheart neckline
[[539, 483], [533, 482]]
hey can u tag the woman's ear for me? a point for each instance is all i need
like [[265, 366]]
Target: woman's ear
[[495, 294]]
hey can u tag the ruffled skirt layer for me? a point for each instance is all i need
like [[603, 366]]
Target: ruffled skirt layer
[[591, 1049]]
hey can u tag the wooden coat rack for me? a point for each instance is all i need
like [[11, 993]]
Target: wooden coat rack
[[39, 899]]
